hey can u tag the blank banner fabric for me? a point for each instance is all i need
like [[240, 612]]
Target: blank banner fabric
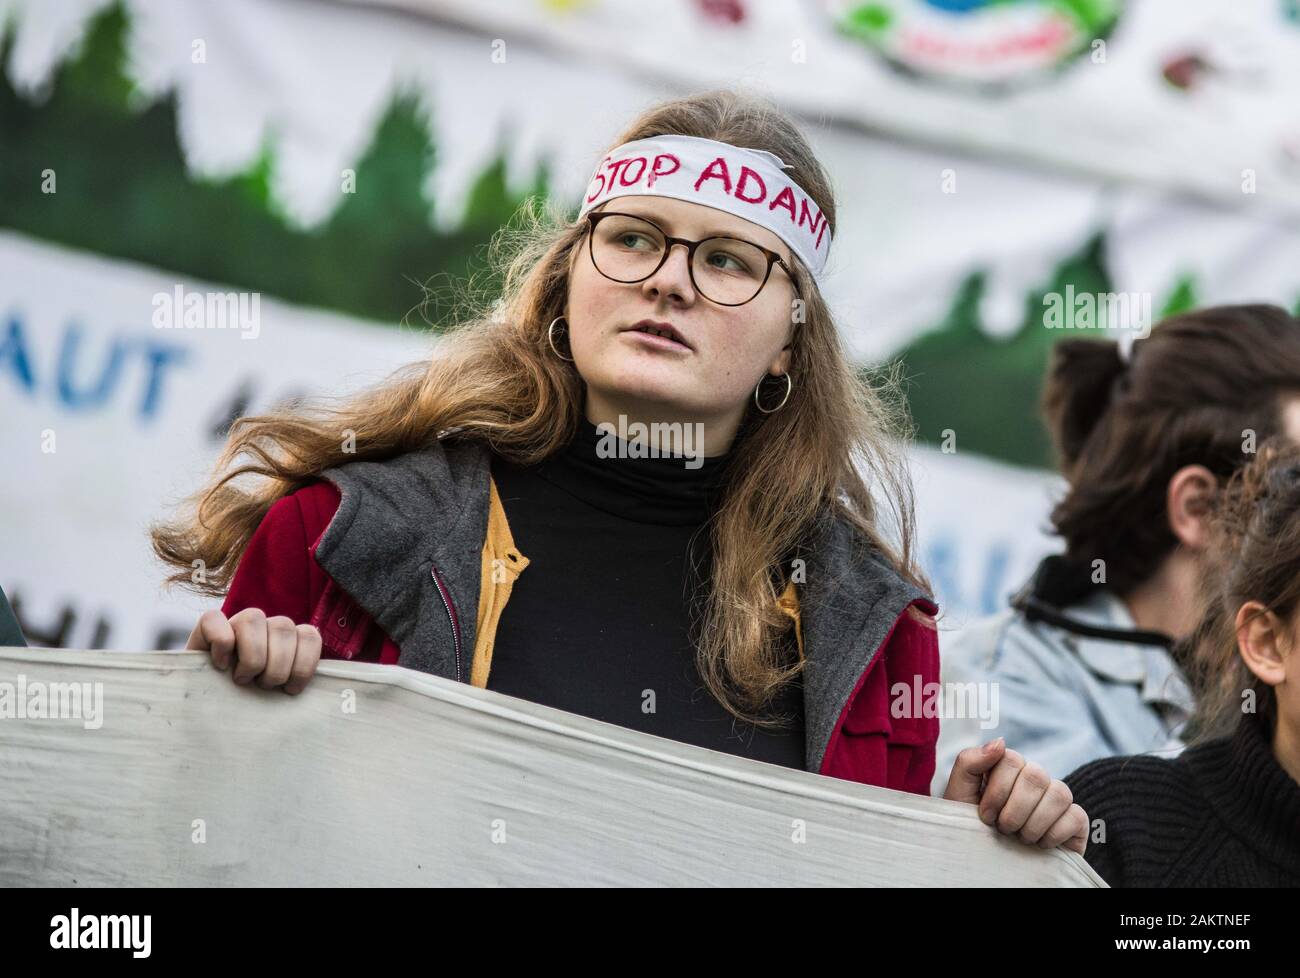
[[153, 769]]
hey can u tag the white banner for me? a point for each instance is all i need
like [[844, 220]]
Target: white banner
[[153, 769]]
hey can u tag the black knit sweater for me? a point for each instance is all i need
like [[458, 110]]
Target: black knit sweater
[[1224, 813]]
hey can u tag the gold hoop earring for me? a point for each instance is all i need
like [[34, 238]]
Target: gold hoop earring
[[550, 338], [789, 386]]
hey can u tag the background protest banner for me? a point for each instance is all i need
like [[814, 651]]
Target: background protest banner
[[1000, 169]]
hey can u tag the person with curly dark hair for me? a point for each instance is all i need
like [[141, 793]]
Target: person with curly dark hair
[[1226, 811]]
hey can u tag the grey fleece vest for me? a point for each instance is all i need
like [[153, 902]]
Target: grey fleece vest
[[402, 519]]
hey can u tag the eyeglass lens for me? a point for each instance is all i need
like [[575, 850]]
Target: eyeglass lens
[[726, 270]]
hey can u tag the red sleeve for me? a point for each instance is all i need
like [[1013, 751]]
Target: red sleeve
[[876, 747], [276, 572], [913, 658]]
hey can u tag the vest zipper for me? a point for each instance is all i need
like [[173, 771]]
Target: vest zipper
[[445, 594]]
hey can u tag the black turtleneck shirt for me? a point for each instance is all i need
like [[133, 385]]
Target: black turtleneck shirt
[[599, 623], [1222, 813]]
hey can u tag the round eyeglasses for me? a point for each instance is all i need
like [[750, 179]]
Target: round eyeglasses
[[729, 271]]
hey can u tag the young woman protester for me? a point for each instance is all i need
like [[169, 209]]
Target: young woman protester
[[1226, 811], [466, 519], [1083, 657]]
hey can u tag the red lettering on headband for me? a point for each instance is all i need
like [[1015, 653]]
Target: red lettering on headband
[[818, 226], [599, 176], [656, 173], [632, 170], [627, 179], [717, 170], [629, 171], [784, 199], [745, 174], [618, 165], [723, 174]]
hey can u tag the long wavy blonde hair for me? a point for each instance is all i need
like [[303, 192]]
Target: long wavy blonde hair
[[494, 377]]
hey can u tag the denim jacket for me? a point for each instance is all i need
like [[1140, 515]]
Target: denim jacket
[[1063, 697]]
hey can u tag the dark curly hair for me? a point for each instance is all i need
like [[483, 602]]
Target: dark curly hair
[[1254, 555]]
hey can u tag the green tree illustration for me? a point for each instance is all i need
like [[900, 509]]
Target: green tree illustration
[[123, 190], [983, 388]]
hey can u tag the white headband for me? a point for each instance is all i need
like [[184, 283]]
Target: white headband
[[749, 183]]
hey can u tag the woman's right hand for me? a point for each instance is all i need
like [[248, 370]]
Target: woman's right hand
[[274, 651]]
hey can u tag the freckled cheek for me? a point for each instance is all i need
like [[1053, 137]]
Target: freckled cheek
[[594, 307], [733, 358]]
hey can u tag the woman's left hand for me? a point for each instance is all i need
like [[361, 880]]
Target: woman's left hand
[[1018, 797]]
